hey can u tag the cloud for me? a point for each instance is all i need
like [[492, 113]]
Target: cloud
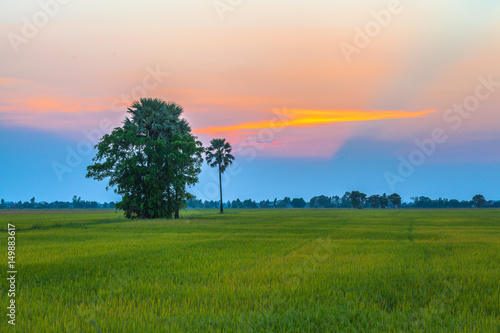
[[313, 118], [8, 82]]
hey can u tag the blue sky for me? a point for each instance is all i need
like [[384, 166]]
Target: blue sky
[[28, 156]]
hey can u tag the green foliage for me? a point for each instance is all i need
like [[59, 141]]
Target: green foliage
[[237, 204], [384, 201], [479, 201], [219, 154], [395, 200], [298, 203], [426, 202], [259, 271], [345, 201], [150, 161], [373, 200], [321, 201], [357, 199]]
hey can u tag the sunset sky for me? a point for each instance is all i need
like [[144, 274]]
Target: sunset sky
[[316, 97]]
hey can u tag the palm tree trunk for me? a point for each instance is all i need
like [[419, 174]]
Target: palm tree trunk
[[220, 185]]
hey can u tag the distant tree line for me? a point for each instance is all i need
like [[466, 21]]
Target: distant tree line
[[76, 203], [354, 199]]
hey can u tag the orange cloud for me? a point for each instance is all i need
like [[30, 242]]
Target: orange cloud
[[51, 104], [313, 118], [7, 81]]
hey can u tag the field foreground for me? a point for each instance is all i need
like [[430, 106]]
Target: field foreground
[[257, 270]]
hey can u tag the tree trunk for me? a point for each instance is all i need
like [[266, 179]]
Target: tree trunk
[[220, 185], [176, 198]]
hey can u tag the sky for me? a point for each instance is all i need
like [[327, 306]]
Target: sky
[[316, 97]]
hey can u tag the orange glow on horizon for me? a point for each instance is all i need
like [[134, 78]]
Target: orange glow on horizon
[[313, 118]]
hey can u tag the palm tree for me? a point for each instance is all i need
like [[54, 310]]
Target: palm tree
[[157, 118], [219, 154]]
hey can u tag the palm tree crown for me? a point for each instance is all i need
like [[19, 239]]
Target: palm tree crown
[[157, 118], [219, 154]]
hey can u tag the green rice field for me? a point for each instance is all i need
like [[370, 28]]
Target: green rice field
[[274, 270]]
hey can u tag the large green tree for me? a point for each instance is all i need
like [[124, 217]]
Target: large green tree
[[151, 160], [219, 155]]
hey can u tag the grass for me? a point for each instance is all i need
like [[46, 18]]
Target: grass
[[257, 271]]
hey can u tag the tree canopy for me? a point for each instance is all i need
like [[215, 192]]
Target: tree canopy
[[151, 160], [298, 203], [479, 201], [357, 199], [395, 200]]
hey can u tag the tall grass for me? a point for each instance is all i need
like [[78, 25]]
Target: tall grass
[[259, 270]]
